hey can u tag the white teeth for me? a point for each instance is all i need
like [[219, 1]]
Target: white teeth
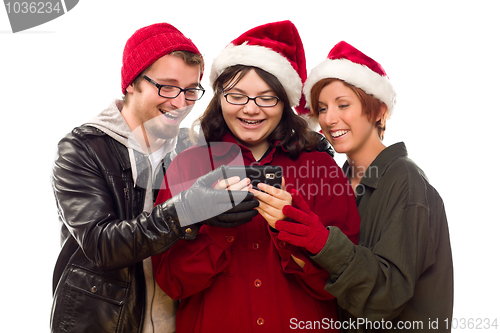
[[169, 115], [336, 134], [251, 122]]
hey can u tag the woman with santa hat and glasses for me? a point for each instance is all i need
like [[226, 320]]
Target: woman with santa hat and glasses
[[245, 279], [401, 270]]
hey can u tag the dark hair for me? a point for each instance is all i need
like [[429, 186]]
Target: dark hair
[[292, 131], [371, 106]]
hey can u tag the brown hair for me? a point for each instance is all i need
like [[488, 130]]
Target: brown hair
[[190, 58], [371, 106], [292, 131]]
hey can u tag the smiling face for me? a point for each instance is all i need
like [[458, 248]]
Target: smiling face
[[161, 116], [341, 117], [249, 123]]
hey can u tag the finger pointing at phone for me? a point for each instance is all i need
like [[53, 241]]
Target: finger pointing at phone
[[272, 201], [233, 184]]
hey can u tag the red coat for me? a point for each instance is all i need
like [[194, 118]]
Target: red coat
[[243, 279]]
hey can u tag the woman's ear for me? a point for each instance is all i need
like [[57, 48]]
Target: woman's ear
[[383, 115], [380, 121]]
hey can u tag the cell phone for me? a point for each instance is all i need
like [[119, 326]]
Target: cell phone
[[267, 174]]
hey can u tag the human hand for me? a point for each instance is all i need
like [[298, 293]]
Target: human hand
[[272, 201], [233, 184], [214, 207], [307, 231]]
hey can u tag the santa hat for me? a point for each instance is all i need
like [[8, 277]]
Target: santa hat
[[277, 49], [348, 64]]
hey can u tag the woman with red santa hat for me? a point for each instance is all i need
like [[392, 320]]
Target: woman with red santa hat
[[401, 272], [244, 279]]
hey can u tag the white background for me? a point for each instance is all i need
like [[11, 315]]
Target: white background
[[442, 57]]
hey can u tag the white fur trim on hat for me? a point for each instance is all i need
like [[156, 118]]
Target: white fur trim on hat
[[358, 75], [264, 58]]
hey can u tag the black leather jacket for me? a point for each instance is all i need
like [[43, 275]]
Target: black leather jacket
[[98, 280]]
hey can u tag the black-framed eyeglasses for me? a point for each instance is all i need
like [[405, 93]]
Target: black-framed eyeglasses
[[169, 91], [263, 101]]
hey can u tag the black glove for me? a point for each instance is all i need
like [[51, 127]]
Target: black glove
[[240, 214], [219, 208]]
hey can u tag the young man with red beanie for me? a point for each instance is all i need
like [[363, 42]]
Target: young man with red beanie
[[105, 180]]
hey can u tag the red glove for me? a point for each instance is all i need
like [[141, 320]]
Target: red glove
[[307, 231]]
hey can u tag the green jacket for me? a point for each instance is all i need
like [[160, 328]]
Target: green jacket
[[400, 275]]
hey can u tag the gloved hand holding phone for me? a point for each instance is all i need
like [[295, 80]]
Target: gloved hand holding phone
[[219, 208]]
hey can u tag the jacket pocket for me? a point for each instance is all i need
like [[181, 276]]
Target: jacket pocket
[[88, 302], [98, 286]]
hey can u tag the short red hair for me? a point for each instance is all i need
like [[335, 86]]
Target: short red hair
[[372, 107]]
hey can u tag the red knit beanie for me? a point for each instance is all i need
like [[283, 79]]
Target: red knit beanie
[[147, 45]]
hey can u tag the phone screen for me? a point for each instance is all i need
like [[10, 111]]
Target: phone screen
[[267, 174]]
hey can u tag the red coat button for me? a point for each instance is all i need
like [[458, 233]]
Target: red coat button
[[260, 321], [255, 246], [230, 239], [257, 283], [282, 244]]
